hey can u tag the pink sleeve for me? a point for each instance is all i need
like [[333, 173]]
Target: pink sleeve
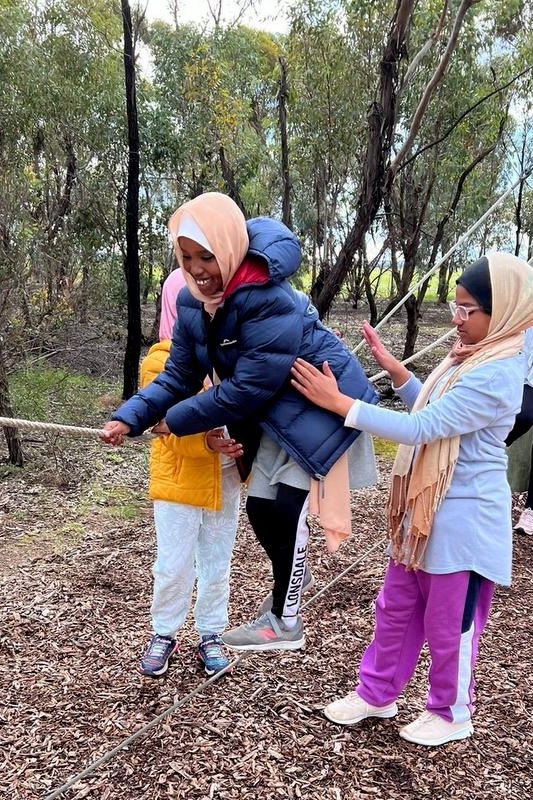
[[171, 288]]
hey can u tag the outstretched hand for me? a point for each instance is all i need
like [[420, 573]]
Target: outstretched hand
[[377, 348], [398, 373], [320, 387]]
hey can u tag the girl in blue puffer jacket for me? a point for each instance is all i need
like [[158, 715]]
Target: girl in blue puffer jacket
[[241, 322]]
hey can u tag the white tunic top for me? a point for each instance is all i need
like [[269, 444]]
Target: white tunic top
[[472, 529]]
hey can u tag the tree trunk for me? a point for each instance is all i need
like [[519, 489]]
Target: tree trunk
[[381, 122], [519, 201], [229, 179], [285, 174], [14, 444], [411, 335], [131, 259]]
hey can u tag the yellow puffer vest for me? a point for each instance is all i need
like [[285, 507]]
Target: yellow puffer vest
[[182, 469]]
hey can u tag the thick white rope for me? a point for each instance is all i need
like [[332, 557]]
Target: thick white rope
[[75, 430], [11, 422], [446, 256]]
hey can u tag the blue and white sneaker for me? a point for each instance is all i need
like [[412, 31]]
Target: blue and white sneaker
[[211, 653], [158, 653]]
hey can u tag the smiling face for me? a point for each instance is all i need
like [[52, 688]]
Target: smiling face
[[202, 266], [476, 327]]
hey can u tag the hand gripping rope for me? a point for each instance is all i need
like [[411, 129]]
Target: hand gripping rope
[[145, 729], [55, 428]]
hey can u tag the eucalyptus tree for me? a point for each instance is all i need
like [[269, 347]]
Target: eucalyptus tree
[[514, 25], [332, 50], [49, 77], [61, 120], [405, 144], [212, 112], [447, 180], [131, 256]]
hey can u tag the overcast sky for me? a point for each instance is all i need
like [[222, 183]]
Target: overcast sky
[[268, 15]]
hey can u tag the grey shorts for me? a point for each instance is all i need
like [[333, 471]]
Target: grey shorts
[[273, 465]]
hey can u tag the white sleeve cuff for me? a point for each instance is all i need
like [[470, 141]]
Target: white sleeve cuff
[[399, 388], [353, 415]]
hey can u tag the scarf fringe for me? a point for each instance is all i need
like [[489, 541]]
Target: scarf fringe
[[409, 548]]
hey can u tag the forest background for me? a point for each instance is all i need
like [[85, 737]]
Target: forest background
[[381, 133]]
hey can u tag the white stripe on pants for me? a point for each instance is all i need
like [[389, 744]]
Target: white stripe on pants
[[194, 545]]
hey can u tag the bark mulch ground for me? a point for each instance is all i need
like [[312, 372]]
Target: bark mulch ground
[[75, 586], [75, 589]]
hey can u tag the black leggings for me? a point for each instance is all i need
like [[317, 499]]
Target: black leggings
[[523, 422], [281, 528]]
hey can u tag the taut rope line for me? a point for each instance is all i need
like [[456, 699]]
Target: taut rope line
[[11, 422], [446, 256]]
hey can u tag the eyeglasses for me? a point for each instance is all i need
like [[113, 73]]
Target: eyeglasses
[[463, 312]]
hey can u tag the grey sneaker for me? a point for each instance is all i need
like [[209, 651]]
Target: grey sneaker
[[308, 584], [267, 632]]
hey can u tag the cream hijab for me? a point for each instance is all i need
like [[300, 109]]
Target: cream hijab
[[418, 486], [222, 225]]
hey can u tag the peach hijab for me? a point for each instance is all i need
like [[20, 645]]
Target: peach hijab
[[418, 486], [222, 226]]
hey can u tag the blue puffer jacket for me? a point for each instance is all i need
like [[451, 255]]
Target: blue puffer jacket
[[252, 342]]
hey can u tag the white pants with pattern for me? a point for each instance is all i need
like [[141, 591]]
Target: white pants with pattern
[[194, 545]]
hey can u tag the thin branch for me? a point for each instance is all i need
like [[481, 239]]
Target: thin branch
[[462, 116], [413, 66], [429, 91]]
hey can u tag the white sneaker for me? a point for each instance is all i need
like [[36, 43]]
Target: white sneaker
[[431, 729], [525, 523], [352, 708]]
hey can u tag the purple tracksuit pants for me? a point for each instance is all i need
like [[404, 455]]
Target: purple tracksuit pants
[[449, 612]]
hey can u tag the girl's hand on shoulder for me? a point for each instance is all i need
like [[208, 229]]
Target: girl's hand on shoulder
[[114, 432], [320, 387]]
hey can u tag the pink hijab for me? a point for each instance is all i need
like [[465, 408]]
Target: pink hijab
[[171, 288], [223, 227]]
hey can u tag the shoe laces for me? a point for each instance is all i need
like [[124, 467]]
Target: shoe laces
[[212, 647], [157, 647], [264, 619]]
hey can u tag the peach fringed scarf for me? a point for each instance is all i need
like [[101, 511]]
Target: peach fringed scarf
[[329, 499], [223, 226], [418, 487]]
